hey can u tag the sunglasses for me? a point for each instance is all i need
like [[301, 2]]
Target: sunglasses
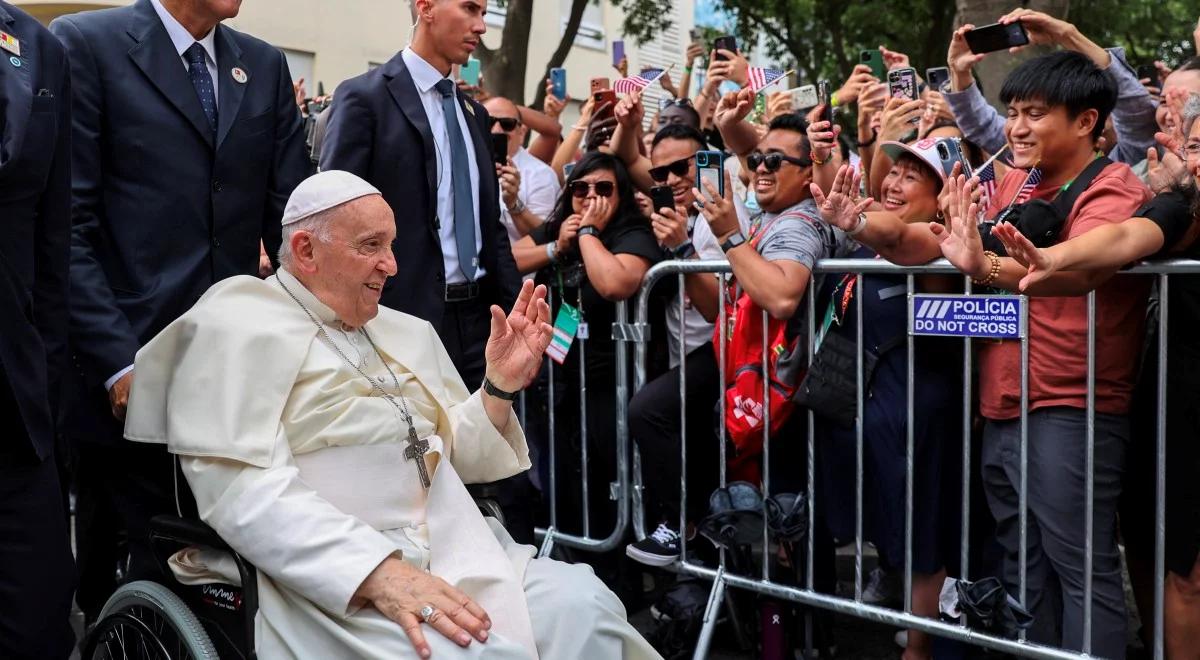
[[678, 168], [580, 189], [774, 161], [507, 124], [681, 103]]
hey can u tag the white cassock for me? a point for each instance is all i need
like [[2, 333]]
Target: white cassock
[[301, 470]]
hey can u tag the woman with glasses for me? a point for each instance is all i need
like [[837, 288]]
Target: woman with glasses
[[909, 191], [592, 252]]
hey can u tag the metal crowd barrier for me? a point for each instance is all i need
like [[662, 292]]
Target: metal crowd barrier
[[722, 576]]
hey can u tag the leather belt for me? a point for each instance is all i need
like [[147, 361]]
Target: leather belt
[[462, 292]]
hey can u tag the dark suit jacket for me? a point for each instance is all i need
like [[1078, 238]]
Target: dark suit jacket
[[378, 130], [162, 208], [35, 225]]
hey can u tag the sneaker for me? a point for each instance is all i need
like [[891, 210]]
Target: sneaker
[[881, 588], [659, 549]]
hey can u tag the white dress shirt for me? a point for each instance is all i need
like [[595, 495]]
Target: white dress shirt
[[183, 40], [424, 78]]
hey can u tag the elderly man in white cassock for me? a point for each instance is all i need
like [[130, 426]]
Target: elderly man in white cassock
[[327, 440]]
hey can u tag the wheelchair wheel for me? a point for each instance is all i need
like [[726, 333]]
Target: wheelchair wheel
[[145, 621]]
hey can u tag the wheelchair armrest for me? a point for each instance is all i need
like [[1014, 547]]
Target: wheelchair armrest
[[186, 531]]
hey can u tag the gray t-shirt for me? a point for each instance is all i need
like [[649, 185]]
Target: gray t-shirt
[[798, 234]]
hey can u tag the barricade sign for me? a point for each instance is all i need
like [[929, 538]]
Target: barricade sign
[[958, 315]]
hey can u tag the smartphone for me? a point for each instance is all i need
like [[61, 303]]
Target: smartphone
[[727, 42], [469, 72], [558, 82], [874, 59], [949, 151], [662, 197], [997, 36], [599, 84], [696, 34], [567, 169], [618, 51], [937, 77], [710, 167], [804, 97], [1148, 71], [902, 83], [606, 98], [500, 148], [823, 95]]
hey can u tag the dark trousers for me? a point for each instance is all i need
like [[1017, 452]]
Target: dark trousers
[[654, 423], [37, 574], [1055, 537], [465, 328], [120, 486]]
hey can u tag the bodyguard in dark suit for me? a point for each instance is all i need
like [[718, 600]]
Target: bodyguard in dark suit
[[187, 143], [407, 129], [37, 574], [391, 127]]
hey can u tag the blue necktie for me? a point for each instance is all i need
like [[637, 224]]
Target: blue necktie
[[460, 183], [198, 72]]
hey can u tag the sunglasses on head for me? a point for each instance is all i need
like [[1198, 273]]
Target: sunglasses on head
[[678, 168], [580, 189], [680, 103], [773, 161], [507, 124]]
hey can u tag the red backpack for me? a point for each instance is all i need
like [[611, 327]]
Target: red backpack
[[743, 377]]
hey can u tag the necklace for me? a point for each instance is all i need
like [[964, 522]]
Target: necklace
[[417, 447]]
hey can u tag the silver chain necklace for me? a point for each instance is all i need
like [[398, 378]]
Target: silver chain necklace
[[416, 447]]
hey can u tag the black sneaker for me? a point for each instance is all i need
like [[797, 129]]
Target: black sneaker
[[659, 549]]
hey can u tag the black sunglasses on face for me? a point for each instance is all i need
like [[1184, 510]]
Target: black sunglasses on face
[[678, 168], [579, 189], [507, 124], [773, 161]]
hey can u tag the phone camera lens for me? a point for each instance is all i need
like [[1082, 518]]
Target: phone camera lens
[[943, 153]]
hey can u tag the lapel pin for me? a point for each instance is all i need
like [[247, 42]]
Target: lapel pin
[[239, 75], [467, 105], [15, 61], [10, 43]]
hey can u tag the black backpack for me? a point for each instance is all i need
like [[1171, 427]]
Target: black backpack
[[1041, 221]]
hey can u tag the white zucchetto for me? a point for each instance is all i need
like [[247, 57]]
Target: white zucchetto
[[323, 191]]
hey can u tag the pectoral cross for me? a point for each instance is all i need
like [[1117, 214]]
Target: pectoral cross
[[416, 450]]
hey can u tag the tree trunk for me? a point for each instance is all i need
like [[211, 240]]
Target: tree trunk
[[504, 67], [574, 19], [992, 70]]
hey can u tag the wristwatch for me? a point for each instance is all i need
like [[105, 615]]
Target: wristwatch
[[518, 208], [684, 250], [589, 229], [497, 392], [736, 239]]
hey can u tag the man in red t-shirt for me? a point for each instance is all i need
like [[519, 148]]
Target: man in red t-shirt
[[1057, 105]]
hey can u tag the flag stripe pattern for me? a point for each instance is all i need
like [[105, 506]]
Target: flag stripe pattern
[[987, 184], [634, 83], [1031, 182], [758, 77]]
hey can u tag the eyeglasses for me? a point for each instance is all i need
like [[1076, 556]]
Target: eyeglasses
[[507, 124], [774, 161], [580, 189], [678, 168], [1192, 148]]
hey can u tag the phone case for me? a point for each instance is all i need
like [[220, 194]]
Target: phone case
[[558, 82], [804, 97], [662, 197], [902, 83], [469, 72], [710, 165]]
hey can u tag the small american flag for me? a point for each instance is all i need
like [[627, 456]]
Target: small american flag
[[1031, 182], [760, 77], [640, 81], [987, 184]]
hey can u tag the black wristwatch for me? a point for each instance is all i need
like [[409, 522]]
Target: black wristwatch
[[584, 231], [733, 241], [497, 392]]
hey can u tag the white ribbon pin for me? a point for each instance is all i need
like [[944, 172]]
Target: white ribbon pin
[[239, 75]]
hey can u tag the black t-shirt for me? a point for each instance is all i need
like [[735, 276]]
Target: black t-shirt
[[1172, 212], [631, 235]]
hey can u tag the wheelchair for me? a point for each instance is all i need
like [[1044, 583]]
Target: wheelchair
[[168, 620]]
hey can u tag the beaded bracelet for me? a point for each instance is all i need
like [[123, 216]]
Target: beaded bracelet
[[993, 273]]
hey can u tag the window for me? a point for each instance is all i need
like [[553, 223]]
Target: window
[[591, 28]]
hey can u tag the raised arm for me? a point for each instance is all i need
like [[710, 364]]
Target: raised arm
[[979, 121], [1103, 248], [629, 113]]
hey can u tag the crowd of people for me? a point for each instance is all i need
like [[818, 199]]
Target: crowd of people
[[149, 169]]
